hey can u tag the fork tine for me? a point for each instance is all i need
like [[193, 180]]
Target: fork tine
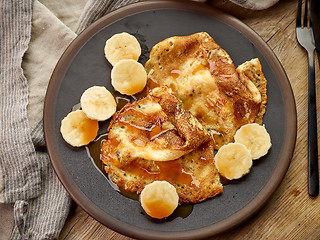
[[298, 22], [305, 17]]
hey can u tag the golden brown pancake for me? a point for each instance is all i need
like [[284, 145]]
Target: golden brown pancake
[[155, 139], [251, 71], [203, 76]]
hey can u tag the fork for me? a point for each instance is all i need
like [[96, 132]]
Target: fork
[[306, 40]]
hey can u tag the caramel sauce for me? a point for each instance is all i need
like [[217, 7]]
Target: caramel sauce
[[170, 171], [155, 131], [220, 68], [122, 100], [213, 67], [149, 131], [199, 68], [219, 139], [152, 129], [94, 153], [215, 102], [152, 83], [175, 73], [131, 126], [92, 128]]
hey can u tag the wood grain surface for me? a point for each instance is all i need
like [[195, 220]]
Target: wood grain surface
[[291, 213]]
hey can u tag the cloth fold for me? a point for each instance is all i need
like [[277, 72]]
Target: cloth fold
[[96, 9], [42, 217], [255, 4], [19, 169], [39, 202]]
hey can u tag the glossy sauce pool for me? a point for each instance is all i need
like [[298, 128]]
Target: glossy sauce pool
[[93, 151]]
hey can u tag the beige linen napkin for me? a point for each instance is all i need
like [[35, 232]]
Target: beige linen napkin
[[33, 203], [255, 4]]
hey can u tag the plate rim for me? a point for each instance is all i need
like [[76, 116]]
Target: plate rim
[[237, 218]]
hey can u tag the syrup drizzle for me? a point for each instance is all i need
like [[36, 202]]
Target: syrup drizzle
[[93, 151]]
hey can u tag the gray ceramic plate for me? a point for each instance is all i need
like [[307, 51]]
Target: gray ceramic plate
[[83, 65]]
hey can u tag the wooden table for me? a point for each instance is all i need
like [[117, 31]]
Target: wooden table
[[290, 213]]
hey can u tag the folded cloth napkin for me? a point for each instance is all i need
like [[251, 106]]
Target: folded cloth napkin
[[33, 35], [34, 204], [255, 4], [252, 4]]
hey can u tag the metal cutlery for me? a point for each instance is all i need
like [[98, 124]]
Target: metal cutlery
[[305, 38]]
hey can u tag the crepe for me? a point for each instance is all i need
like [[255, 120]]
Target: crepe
[[202, 75], [155, 139]]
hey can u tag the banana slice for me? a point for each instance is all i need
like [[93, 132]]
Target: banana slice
[[159, 199], [98, 103], [122, 46], [233, 161], [77, 129], [255, 137], [128, 77]]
